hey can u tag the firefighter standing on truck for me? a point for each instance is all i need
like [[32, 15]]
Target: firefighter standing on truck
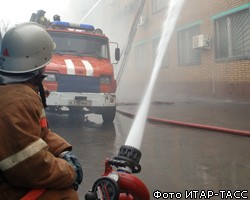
[[31, 156]]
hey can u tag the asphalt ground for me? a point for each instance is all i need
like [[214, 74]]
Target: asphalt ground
[[175, 158]]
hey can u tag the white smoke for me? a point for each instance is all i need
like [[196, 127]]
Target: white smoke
[[15, 12]]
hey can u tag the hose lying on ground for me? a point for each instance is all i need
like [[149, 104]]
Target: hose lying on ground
[[191, 125]]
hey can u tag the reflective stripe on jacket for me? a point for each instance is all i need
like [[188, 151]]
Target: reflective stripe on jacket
[[28, 149], [24, 154]]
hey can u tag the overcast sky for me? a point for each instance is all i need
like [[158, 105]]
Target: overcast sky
[[17, 11]]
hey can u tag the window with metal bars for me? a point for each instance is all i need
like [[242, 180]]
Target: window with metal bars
[[232, 36], [140, 56], [187, 55], [165, 60]]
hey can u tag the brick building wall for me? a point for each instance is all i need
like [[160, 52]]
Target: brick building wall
[[227, 79], [207, 76]]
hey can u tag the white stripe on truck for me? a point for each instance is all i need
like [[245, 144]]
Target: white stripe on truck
[[88, 67], [70, 66]]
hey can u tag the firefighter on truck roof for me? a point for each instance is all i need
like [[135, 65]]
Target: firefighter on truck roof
[[31, 155]]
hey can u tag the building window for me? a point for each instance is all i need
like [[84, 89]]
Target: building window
[[159, 4], [187, 55], [232, 36], [140, 56], [165, 62]]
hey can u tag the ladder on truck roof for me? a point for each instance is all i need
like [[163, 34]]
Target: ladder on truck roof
[[130, 39]]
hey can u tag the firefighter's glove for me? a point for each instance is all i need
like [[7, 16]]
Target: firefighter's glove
[[74, 161]]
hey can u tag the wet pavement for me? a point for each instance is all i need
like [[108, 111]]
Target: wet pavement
[[174, 158]]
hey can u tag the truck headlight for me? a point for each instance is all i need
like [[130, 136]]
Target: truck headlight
[[105, 80], [50, 77]]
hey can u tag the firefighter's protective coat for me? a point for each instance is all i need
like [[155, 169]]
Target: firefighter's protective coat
[[28, 149]]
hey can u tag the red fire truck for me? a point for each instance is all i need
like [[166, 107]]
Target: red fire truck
[[80, 77]]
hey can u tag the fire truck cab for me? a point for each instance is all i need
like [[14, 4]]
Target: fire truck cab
[[80, 76]]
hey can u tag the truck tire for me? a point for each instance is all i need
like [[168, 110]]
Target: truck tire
[[75, 116], [108, 115]]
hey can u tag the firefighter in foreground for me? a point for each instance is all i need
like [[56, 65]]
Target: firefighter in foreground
[[31, 156]]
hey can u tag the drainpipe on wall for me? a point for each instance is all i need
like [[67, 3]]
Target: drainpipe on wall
[[212, 52]]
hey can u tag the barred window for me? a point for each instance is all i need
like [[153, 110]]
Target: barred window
[[165, 60], [187, 55], [232, 36], [140, 56]]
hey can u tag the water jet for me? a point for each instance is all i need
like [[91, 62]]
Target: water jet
[[122, 184]]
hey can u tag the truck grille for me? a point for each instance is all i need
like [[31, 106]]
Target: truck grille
[[72, 83]]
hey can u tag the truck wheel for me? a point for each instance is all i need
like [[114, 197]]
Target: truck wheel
[[75, 116], [108, 115]]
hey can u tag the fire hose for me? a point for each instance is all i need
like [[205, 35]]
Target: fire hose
[[192, 125], [33, 194]]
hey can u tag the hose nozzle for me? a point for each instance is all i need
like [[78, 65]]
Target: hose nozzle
[[129, 157]]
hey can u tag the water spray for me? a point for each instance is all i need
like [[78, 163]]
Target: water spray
[[121, 184], [93, 7]]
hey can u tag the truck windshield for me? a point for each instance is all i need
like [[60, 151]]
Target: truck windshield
[[81, 45]]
